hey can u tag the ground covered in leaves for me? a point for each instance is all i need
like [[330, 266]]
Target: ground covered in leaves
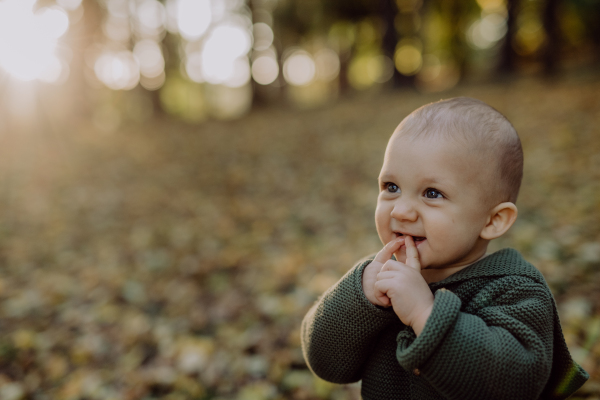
[[172, 261]]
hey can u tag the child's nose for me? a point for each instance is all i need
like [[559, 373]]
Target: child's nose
[[404, 210]]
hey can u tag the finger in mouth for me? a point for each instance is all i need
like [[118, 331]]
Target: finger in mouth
[[415, 238]]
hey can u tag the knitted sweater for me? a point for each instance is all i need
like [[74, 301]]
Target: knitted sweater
[[494, 333]]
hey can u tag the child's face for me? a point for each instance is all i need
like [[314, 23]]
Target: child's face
[[432, 189]]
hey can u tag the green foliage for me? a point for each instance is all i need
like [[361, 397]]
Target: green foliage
[[183, 99]]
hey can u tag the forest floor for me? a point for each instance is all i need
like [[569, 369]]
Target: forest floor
[[174, 261]]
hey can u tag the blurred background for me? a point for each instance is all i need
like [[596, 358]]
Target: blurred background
[[181, 179]]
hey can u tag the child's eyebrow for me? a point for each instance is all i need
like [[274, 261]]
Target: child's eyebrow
[[432, 181], [385, 177]]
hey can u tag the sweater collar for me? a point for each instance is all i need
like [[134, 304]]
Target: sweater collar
[[501, 263]]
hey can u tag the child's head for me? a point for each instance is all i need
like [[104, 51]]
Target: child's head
[[450, 178]]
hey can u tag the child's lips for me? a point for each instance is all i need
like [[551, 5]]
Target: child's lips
[[417, 239]]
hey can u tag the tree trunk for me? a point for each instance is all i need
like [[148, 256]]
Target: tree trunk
[[388, 12], [552, 45], [508, 56], [457, 42]]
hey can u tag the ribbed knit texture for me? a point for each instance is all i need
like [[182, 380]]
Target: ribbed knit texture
[[493, 333]]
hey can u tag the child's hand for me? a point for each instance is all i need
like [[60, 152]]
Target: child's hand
[[370, 273], [406, 289]]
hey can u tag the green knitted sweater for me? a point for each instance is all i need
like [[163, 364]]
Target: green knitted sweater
[[494, 333]]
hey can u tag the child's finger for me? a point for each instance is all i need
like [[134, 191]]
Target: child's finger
[[386, 274], [412, 254], [391, 265], [389, 249], [382, 298], [383, 286]]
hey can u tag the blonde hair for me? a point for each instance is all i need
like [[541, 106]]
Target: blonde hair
[[473, 123]]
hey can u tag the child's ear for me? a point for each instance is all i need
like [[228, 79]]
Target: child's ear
[[500, 219]]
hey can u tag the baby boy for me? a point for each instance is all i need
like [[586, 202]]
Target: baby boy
[[431, 316]]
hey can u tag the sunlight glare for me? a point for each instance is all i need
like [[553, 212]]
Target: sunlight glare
[[171, 22], [28, 40], [230, 40], [232, 73], [216, 70], [56, 71], [118, 71], [53, 21], [193, 18], [224, 58], [69, 4]]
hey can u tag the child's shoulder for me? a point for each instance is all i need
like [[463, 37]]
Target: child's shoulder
[[502, 277], [503, 265]]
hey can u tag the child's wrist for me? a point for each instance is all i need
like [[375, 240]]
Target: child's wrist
[[418, 324]]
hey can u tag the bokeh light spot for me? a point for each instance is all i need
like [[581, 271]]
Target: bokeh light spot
[[529, 36], [384, 68], [365, 70], [489, 5], [327, 64], [240, 74], [265, 70], [263, 36], [230, 40], [117, 28], [152, 17], [431, 68], [118, 8], [299, 68], [408, 60], [487, 31], [118, 71], [153, 83], [150, 58], [223, 57], [193, 18]]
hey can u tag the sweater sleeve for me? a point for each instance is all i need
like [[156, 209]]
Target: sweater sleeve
[[338, 332], [503, 351]]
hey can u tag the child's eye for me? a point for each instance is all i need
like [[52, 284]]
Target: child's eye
[[433, 194], [391, 187]]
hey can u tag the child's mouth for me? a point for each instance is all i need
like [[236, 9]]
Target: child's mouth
[[417, 239]]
